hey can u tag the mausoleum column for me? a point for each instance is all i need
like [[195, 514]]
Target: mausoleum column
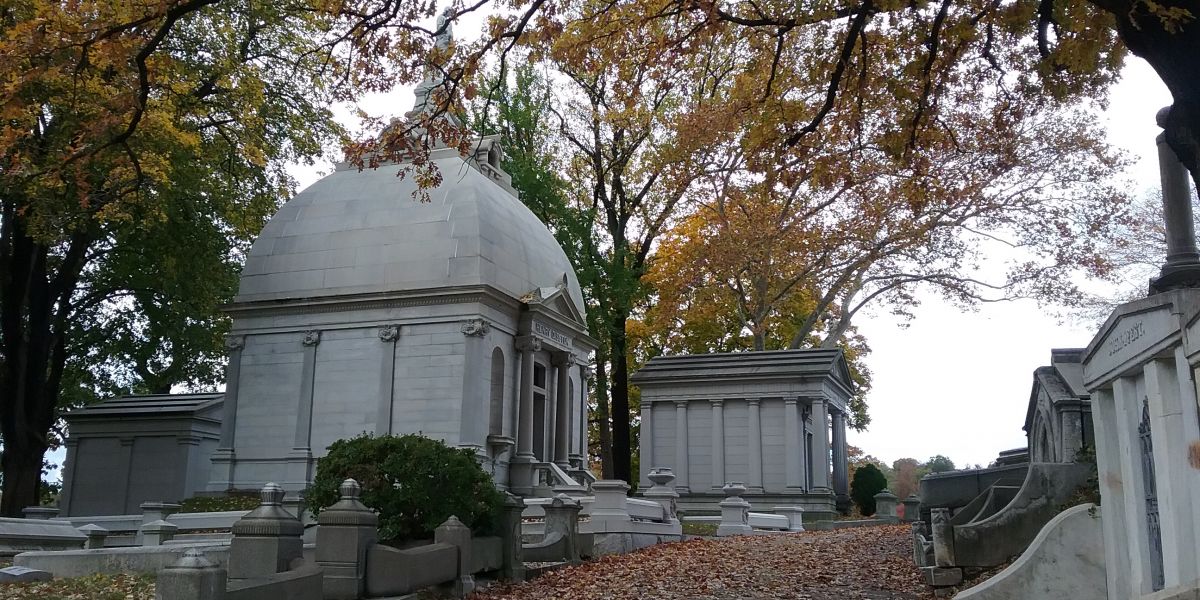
[[820, 448], [793, 467], [841, 483], [520, 469], [754, 446], [1182, 268], [388, 334], [562, 414], [718, 443], [527, 345], [681, 447], [646, 442]]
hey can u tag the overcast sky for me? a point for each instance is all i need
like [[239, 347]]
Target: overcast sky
[[957, 383]]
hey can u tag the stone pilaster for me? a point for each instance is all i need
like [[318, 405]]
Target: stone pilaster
[[793, 433], [841, 481], [754, 446], [820, 448], [646, 456], [225, 457], [299, 460], [718, 444], [388, 335], [681, 447]]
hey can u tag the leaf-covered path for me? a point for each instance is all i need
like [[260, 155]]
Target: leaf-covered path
[[867, 563]]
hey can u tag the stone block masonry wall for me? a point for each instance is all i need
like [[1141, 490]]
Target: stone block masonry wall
[[268, 386], [429, 380]]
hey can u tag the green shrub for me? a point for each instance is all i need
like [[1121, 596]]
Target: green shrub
[[415, 483], [868, 481]]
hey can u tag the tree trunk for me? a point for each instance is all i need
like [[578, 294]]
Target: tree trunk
[[622, 450], [603, 424], [22, 477]]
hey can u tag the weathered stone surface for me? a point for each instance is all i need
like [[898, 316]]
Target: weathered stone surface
[[1064, 562], [134, 559], [21, 574], [942, 576], [192, 577], [21, 535]]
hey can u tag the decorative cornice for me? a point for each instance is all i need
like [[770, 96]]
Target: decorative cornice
[[476, 328], [389, 333], [235, 342], [371, 300], [312, 337]]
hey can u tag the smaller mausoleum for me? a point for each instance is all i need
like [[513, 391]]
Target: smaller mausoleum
[[775, 421], [125, 451], [1058, 423]]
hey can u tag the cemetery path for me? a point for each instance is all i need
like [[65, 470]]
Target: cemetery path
[[870, 563]]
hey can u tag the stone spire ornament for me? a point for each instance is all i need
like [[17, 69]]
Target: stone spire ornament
[[1182, 268], [435, 75]]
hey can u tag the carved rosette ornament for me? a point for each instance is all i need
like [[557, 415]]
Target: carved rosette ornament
[[389, 333], [235, 342], [476, 328], [312, 337]]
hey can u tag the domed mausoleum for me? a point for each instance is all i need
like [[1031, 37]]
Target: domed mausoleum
[[362, 308]]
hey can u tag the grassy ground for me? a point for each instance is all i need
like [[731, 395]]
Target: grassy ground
[[701, 528], [94, 587]]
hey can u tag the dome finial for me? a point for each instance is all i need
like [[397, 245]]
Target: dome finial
[[435, 72]]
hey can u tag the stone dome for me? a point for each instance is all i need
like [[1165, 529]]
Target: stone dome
[[364, 232]]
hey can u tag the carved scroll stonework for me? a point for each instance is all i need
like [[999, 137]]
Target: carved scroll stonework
[[389, 333], [476, 328], [235, 342], [312, 337], [528, 342]]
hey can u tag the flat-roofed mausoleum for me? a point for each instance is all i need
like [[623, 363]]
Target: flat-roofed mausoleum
[[775, 421]]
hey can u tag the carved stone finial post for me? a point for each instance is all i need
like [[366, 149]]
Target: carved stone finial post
[[885, 505], [192, 577], [1182, 268], [735, 511], [663, 492], [347, 530], [266, 540], [455, 533]]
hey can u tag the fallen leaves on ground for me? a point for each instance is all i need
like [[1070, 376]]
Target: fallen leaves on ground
[[92, 587], [868, 563]]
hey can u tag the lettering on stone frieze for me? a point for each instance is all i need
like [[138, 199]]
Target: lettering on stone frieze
[[551, 334], [1125, 337]]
